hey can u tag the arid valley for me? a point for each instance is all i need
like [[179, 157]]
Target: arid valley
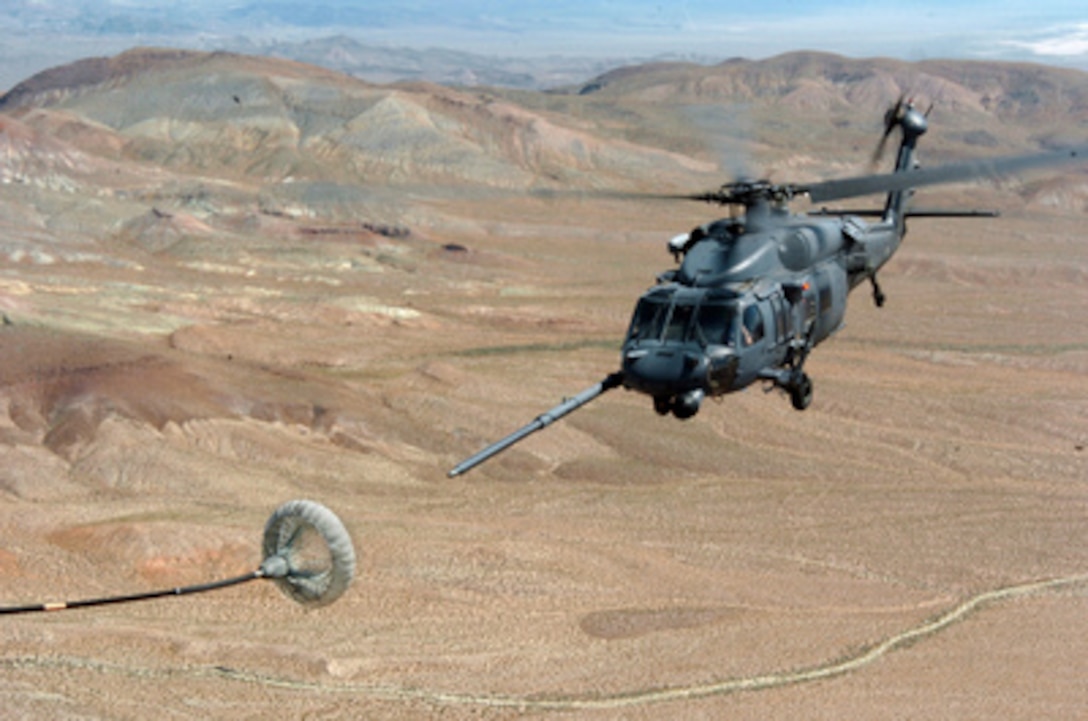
[[228, 282]]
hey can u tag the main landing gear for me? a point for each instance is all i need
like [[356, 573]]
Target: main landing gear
[[801, 392], [795, 382], [799, 385], [791, 377]]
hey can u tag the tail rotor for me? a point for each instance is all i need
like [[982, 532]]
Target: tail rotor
[[892, 117]]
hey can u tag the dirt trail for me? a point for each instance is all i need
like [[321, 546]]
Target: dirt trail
[[626, 699]]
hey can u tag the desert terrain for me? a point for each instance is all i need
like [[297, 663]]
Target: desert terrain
[[229, 282]]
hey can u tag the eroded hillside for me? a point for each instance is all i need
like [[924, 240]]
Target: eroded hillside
[[227, 282]]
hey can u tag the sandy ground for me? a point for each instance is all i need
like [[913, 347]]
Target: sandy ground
[[913, 546]]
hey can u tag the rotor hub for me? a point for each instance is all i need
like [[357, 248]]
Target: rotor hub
[[913, 122]]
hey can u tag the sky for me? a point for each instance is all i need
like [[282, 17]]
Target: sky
[[1053, 32], [1047, 31]]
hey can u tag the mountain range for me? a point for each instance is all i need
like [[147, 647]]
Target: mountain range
[[660, 123]]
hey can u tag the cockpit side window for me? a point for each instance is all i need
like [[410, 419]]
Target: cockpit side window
[[752, 330], [778, 311], [714, 324]]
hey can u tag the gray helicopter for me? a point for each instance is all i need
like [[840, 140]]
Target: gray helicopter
[[753, 295]]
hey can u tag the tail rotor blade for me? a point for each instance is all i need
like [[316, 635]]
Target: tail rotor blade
[[891, 121]]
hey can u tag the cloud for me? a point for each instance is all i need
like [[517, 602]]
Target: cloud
[[1059, 42]]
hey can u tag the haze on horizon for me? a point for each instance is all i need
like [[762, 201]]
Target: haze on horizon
[[44, 33]]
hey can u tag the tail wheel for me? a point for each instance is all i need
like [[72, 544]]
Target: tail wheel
[[801, 393]]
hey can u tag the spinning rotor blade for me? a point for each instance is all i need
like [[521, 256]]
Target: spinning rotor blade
[[748, 192], [601, 194], [953, 173], [743, 192]]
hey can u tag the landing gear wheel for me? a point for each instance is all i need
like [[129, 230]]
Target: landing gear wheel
[[801, 393], [662, 405]]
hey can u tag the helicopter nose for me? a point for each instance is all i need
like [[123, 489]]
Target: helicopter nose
[[664, 371]]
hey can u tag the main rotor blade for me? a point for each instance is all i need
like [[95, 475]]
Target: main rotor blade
[[602, 194], [542, 421], [953, 173]]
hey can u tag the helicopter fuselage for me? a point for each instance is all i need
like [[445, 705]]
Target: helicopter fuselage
[[747, 302]]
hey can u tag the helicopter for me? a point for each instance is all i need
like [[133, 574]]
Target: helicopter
[[753, 294]]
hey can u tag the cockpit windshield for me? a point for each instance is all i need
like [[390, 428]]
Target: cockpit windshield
[[661, 318], [679, 323], [649, 318]]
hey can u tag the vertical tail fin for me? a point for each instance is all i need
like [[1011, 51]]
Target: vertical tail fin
[[913, 124]]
